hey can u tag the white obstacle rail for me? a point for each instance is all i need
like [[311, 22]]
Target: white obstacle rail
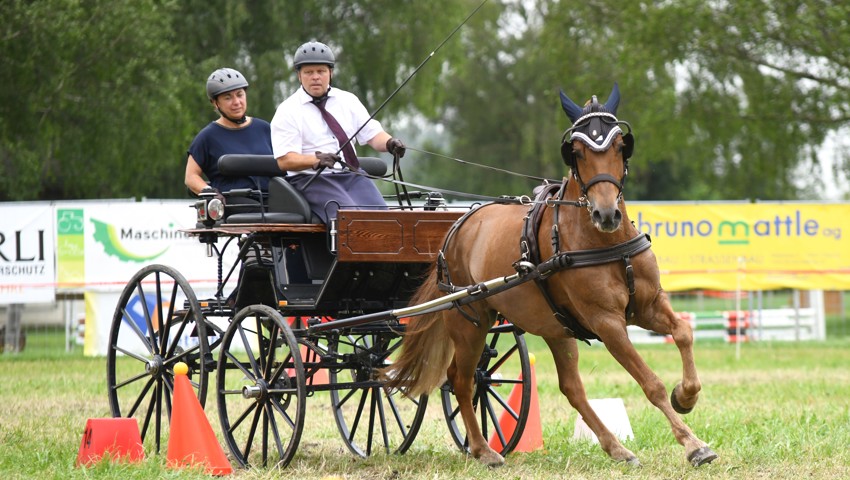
[[732, 326]]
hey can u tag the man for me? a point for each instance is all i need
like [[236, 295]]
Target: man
[[305, 139], [232, 132]]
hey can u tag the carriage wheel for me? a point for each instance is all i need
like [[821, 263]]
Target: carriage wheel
[[368, 416], [143, 349], [260, 387], [503, 372]]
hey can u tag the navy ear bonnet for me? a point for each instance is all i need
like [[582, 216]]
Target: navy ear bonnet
[[596, 125]]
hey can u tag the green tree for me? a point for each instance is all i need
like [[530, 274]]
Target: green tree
[[727, 99], [91, 105]]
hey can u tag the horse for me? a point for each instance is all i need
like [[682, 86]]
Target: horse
[[612, 281]]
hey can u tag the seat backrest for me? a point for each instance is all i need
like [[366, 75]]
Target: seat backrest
[[285, 203], [240, 164], [247, 165], [373, 166]]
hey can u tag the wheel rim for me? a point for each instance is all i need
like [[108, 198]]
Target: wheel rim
[[370, 418], [260, 388], [504, 367], [143, 350]]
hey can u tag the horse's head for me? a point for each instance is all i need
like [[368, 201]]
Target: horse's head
[[595, 147]]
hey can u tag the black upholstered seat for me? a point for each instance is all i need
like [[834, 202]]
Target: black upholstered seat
[[284, 204]]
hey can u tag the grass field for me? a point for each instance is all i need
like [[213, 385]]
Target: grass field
[[780, 411]]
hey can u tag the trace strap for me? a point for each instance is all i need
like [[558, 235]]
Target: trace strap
[[339, 133]]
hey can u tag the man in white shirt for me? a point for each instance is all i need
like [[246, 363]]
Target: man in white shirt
[[304, 141]]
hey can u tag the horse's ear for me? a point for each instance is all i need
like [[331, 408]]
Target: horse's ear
[[613, 100], [572, 110]]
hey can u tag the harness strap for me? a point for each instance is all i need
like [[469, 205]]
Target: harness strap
[[530, 267], [630, 282], [529, 243]]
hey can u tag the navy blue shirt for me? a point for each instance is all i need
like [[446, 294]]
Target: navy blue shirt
[[215, 140]]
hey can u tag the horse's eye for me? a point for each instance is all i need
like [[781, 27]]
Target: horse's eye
[[577, 154]]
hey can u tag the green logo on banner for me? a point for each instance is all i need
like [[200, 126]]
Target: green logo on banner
[[70, 247], [107, 236]]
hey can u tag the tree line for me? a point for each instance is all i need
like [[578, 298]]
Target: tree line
[[727, 100]]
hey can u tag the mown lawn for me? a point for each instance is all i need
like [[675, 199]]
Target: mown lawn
[[780, 411]]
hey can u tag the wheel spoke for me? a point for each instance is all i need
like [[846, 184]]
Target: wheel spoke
[[128, 320], [146, 311], [141, 397], [165, 322]]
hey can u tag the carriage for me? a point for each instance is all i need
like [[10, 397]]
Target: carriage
[[315, 311], [393, 304]]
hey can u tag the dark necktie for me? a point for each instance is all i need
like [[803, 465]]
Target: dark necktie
[[339, 133]]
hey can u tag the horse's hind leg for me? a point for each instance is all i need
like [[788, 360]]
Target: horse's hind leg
[[469, 344], [618, 344], [565, 352]]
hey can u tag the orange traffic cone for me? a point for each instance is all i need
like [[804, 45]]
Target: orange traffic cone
[[117, 438], [532, 435], [192, 441]]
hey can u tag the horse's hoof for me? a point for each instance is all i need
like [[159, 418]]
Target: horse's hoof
[[702, 456], [676, 405], [492, 459], [632, 462]]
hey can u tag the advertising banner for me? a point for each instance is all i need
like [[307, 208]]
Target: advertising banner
[[751, 246], [27, 273], [122, 238]]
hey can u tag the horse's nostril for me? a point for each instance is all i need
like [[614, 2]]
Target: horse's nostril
[[597, 217]]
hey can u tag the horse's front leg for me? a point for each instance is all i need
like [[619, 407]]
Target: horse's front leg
[[662, 319], [565, 353], [616, 340], [469, 344]]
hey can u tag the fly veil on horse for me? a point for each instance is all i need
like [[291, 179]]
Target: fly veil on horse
[[603, 276]]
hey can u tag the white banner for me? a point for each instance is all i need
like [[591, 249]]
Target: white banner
[[27, 264], [122, 238]]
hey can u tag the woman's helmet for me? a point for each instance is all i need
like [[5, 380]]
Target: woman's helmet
[[313, 53], [224, 80]]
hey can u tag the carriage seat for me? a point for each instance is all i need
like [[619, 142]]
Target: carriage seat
[[285, 204]]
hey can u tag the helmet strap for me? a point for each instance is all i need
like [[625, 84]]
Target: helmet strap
[[237, 121]]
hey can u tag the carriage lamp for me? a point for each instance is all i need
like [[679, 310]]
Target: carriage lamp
[[210, 207], [215, 209]]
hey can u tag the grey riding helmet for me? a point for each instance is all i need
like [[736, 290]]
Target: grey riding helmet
[[224, 80], [313, 53]]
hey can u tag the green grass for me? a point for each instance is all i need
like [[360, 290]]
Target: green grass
[[780, 411]]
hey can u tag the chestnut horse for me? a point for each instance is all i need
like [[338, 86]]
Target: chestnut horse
[[595, 301]]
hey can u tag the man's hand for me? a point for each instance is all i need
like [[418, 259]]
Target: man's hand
[[396, 147], [326, 160]]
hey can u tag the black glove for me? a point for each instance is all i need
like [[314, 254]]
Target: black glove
[[396, 147], [327, 160], [216, 194]]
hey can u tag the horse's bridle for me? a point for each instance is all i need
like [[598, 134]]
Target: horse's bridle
[[577, 132]]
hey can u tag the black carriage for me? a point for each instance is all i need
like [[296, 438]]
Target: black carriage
[[310, 302]]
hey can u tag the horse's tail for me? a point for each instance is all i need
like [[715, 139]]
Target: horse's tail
[[426, 348]]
